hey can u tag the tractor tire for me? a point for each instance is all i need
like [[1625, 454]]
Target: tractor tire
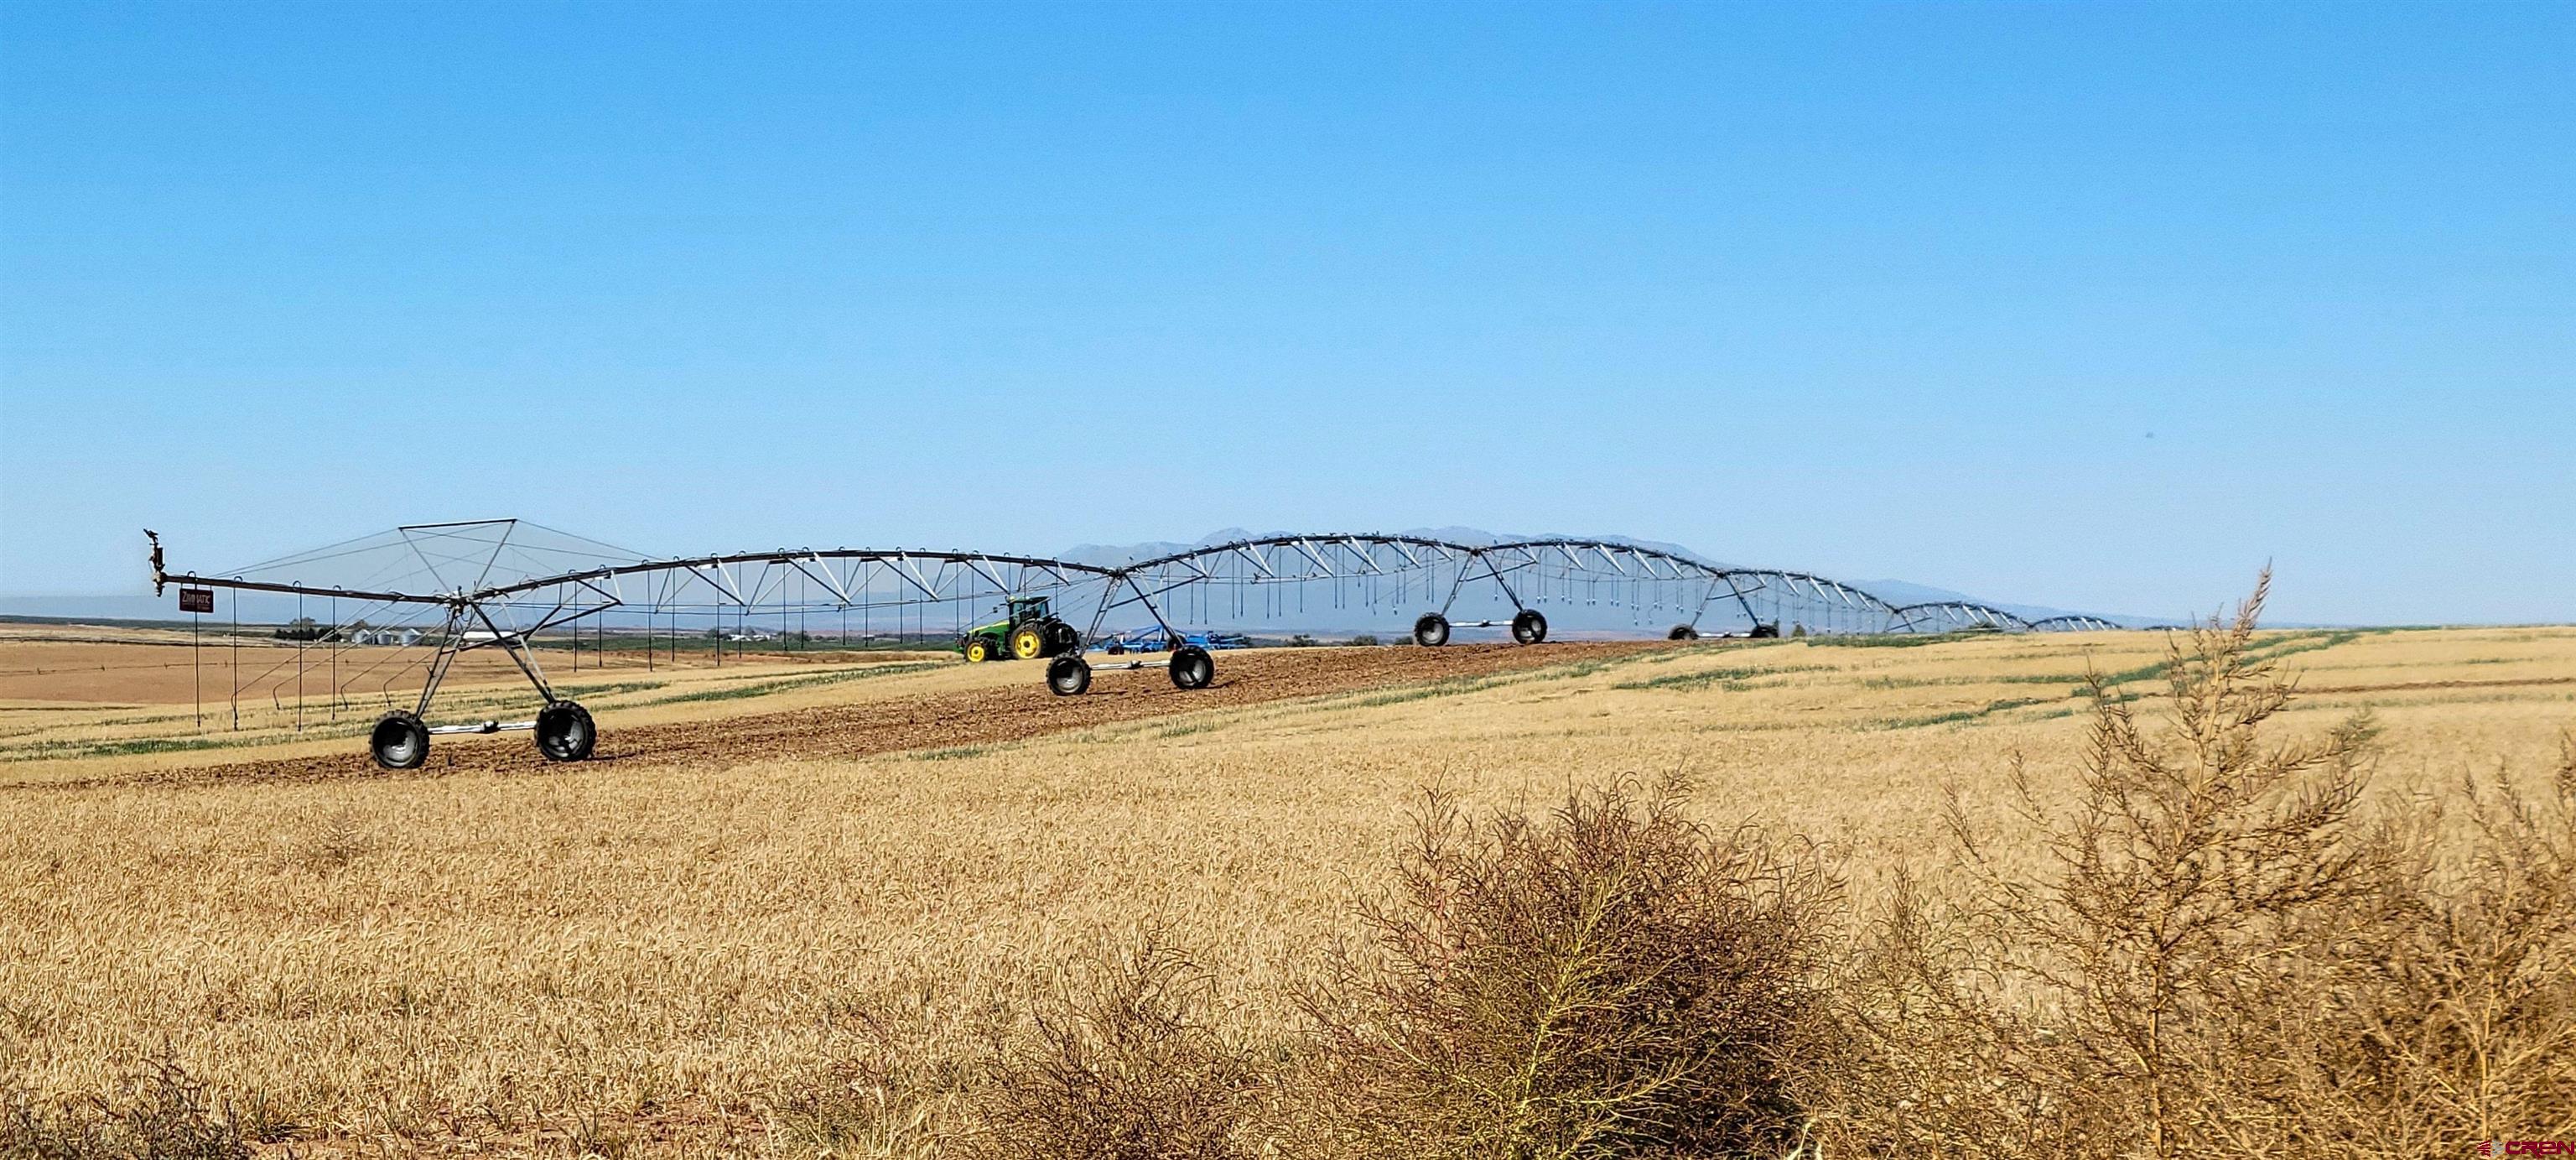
[[1431, 631], [565, 732], [1529, 627], [977, 650], [1192, 668], [1683, 632], [1028, 642], [1068, 676], [1062, 638], [399, 741]]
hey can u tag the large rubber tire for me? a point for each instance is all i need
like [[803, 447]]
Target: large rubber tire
[[400, 741], [1769, 631], [1431, 631], [1529, 627], [1027, 642], [1683, 632], [1192, 668], [1117, 648], [565, 732], [1062, 638], [1068, 676]]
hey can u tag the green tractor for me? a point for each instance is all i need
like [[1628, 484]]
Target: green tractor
[[1032, 631]]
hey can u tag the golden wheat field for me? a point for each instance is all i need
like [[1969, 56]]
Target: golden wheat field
[[795, 955]]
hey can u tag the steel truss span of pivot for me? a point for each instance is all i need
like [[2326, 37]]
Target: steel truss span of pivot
[[425, 595]]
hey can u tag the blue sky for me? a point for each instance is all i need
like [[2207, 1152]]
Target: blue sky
[[2099, 306]]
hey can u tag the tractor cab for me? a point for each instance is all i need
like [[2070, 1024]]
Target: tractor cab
[[1028, 608]]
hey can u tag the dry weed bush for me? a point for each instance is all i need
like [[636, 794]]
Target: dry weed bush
[[1611, 980], [160, 1112], [2227, 956], [1125, 1065], [2440, 1005]]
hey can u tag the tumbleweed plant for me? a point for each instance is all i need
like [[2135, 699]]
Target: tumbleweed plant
[[1610, 979]]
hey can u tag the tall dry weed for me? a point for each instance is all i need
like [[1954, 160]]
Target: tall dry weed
[[2224, 955], [2440, 1006]]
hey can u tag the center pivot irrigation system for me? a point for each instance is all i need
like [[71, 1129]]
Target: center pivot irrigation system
[[435, 592]]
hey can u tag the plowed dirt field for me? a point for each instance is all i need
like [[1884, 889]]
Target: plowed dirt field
[[973, 717]]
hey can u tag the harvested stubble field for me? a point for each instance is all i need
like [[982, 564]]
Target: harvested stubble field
[[806, 909]]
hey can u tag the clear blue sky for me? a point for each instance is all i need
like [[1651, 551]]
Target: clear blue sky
[[2099, 306]]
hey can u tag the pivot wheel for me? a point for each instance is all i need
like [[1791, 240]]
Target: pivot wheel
[[564, 732], [1062, 638], [1529, 627], [1027, 642], [1683, 632], [400, 741], [978, 651], [1431, 631], [1117, 648], [1192, 668], [1068, 676]]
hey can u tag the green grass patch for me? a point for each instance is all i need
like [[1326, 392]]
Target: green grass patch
[[612, 689], [789, 684], [1890, 639], [1960, 717], [1461, 686], [68, 750], [1447, 687], [953, 753], [1996, 679], [2307, 642], [1733, 678], [151, 745]]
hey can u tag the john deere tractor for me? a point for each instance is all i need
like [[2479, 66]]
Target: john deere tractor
[[1031, 632]]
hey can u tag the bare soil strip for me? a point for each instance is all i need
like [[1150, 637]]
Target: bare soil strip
[[979, 717]]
